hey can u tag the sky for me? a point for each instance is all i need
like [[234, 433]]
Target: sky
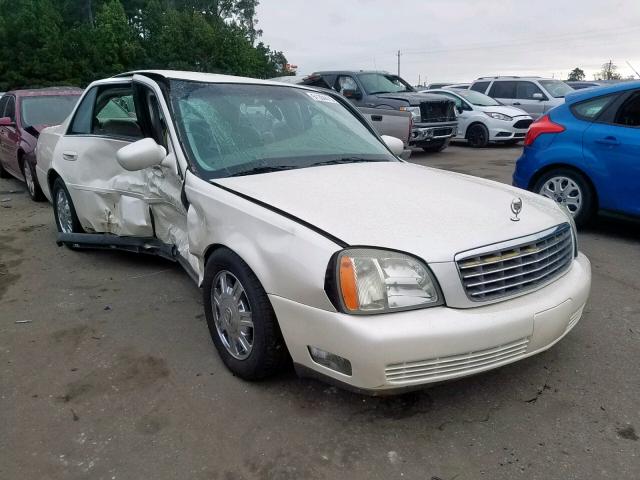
[[455, 40]]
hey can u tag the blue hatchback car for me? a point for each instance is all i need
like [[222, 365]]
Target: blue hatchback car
[[585, 154]]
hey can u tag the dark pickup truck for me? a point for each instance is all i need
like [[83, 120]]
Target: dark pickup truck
[[434, 117]]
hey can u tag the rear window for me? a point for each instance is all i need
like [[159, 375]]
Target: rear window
[[590, 109], [47, 110], [480, 86]]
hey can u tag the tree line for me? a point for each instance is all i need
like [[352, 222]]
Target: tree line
[[73, 42]]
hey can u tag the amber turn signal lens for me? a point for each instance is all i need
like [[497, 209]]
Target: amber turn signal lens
[[348, 284]]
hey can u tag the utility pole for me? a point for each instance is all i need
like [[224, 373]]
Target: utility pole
[[398, 62]]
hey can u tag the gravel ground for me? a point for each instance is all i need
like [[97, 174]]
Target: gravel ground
[[107, 372]]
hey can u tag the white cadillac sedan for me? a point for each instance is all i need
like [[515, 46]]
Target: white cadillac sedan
[[309, 238]]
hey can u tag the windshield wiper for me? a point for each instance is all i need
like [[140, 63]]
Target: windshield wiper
[[338, 161], [263, 169]]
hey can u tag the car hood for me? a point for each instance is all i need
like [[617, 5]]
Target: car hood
[[505, 110], [431, 213], [414, 98]]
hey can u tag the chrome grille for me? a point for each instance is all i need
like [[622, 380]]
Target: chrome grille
[[511, 270], [455, 364]]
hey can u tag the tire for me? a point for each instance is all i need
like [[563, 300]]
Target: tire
[[570, 189], [477, 135], [31, 180], [436, 147], [230, 310], [66, 221], [3, 172]]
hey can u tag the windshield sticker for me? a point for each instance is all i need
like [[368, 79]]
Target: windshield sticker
[[321, 97]]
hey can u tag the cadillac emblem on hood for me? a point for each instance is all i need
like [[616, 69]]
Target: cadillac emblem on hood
[[516, 208]]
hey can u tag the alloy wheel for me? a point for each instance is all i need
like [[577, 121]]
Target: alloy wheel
[[63, 208], [28, 178], [565, 192], [232, 315]]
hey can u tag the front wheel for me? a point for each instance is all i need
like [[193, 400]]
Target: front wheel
[[570, 190], [478, 136], [241, 320], [436, 146]]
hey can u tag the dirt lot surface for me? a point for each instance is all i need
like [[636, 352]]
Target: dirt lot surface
[[107, 371]]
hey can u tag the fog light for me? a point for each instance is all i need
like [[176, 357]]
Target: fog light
[[330, 360]]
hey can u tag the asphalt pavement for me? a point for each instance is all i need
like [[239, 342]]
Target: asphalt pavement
[[107, 371]]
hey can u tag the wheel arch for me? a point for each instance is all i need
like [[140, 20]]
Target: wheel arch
[[51, 177], [567, 166], [475, 122]]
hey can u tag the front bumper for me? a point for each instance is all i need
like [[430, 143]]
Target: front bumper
[[425, 134], [405, 350]]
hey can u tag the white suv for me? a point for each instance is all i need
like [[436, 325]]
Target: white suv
[[534, 95]]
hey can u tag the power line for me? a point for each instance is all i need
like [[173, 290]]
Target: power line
[[528, 43]]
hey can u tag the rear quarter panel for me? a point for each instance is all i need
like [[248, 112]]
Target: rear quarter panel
[[548, 150]]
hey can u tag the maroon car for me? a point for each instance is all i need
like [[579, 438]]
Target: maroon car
[[23, 115]]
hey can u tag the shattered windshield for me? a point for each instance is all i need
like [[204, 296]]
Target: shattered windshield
[[375, 83], [47, 110], [240, 129]]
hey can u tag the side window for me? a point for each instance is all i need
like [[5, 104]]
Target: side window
[[114, 114], [590, 109], [628, 114], [3, 104], [10, 109], [345, 82], [525, 90], [480, 86], [503, 90], [83, 118], [459, 103]]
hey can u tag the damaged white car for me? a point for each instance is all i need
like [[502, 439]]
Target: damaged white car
[[308, 236]]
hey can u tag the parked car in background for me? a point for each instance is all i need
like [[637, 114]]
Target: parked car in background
[[431, 86], [309, 238], [579, 85], [23, 115], [434, 118], [534, 95], [585, 154], [482, 119], [459, 86], [394, 123]]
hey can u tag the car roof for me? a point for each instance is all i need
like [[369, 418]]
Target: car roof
[[350, 72], [512, 78], [587, 93], [42, 92], [199, 77]]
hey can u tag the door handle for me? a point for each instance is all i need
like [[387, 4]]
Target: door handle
[[376, 118], [70, 156], [517, 103], [608, 140]]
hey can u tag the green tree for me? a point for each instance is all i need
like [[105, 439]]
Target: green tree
[[49, 42], [576, 75]]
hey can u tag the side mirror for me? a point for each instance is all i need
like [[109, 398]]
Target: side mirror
[[459, 109], [395, 144], [538, 96], [6, 122], [141, 154], [352, 94]]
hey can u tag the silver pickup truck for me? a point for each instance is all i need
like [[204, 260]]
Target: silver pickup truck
[[434, 116], [396, 123]]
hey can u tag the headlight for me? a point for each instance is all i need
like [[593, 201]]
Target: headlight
[[499, 116], [415, 112], [371, 281]]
